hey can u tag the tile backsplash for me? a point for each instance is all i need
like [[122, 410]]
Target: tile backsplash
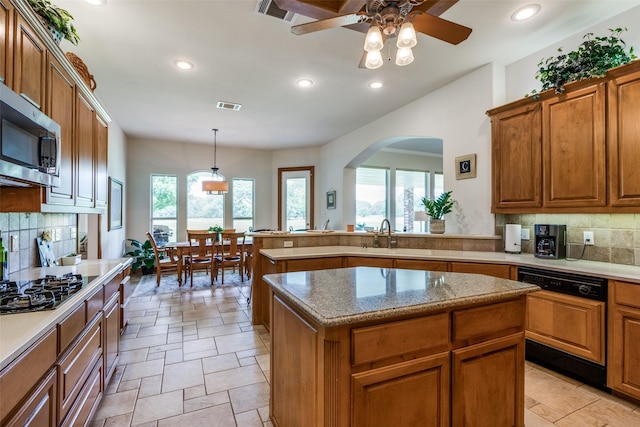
[[27, 227], [616, 236]]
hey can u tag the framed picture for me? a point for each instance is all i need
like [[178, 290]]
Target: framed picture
[[115, 204], [331, 199], [466, 166]]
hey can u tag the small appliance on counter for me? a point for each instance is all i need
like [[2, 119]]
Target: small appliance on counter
[[512, 238], [550, 241]]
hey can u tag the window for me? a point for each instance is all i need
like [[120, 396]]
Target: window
[[438, 184], [164, 207], [242, 189], [411, 187], [203, 210], [371, 197]]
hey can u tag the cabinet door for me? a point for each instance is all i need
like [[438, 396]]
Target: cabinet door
[[408, 394], [6, 42], [574, 144], [624, 135], [84, 120], [517, 159], [29, 64], [60, 96], [575, 325], [495, 270], [101, 140], [313, 264], [39, 408], [112, 335], [414, 264], [623, 374], [369, 262], [488, 383]]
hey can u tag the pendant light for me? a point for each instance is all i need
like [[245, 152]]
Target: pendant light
[[217, 183]]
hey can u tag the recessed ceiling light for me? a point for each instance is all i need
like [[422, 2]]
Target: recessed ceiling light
[[375, 85], [183, 65], [525, 12], [304, 82], [96, 2]]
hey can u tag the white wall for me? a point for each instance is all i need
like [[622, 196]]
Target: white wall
[[146, 157], [464, 128], [112, 241]]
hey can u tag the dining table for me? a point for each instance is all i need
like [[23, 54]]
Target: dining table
[[182, 248]]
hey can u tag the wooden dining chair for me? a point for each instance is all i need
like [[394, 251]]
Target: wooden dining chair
[[201, 256], [230, 253], [168, 262]]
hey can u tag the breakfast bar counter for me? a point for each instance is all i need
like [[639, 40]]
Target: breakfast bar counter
[[378, 347]]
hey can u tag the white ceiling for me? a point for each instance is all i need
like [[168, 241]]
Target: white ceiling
[[254, 60]]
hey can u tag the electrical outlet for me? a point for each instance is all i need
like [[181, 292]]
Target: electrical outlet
[[524, 234], [14, 244], [587, 238], [288, 243]]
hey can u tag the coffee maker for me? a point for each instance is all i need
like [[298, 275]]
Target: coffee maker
[[550, 241]]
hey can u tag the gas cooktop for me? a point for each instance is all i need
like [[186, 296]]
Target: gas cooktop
[[46, 293]]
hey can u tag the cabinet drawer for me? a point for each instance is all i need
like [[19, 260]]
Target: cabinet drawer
[[70, 327], [369, 262], [112, 287], [76, 365], [471, 325], [627, 294], [40, 407], [88, 399], [94, 303], [23, 374], [379, 342]]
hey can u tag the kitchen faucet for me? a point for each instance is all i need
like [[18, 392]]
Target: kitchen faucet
[[388, 230]]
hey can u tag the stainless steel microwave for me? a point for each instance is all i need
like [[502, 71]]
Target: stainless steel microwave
[[29, 143]]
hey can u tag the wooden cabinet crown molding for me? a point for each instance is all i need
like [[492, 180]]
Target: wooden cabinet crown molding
[[32, 19]]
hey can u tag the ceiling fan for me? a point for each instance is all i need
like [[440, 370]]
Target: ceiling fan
[[381, 19]]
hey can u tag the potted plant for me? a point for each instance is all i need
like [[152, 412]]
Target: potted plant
[[71, 259], [143, 255], [593, 58], [218, 230], [56, 19], [437, 209]]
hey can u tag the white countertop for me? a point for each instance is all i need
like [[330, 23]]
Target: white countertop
[[18, 331], [601, 269]]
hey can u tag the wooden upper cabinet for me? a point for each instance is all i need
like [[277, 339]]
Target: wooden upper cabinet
[[517, 158], [101, 146], [6, 42], [29, 64], [84, 121], [574, 148], [60, 99], [624, 138]]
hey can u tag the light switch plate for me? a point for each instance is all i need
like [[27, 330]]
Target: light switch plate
[[524, 234], [288, 243]]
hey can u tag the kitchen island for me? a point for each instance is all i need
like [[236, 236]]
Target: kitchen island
[[370, 346]]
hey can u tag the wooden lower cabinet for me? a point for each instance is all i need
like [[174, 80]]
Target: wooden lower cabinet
[[572, 324], [368, 262], [399, 372], [496, 270], [623, 372], [88, 399], [111, 335], [415, 264], [39, 409], [413, 393], [488, 383]]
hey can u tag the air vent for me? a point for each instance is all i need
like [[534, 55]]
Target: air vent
[[269, 7], [229, 105]]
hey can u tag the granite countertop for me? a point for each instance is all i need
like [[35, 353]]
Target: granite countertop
[[605, 270], [18, 331], [349, 295]]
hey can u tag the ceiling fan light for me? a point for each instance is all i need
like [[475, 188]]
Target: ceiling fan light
[[407, 36], [404, 56], [373, 40], [374, 60]]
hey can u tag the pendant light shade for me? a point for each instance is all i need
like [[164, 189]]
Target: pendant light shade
[[404, 56], [407, 36], [374, 60], [217, 184], [373, 40]]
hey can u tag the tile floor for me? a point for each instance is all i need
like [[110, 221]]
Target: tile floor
[[193, 358]]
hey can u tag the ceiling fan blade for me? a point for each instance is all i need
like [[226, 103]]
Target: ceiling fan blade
[[324, 24], [363, 59], [442, 29]]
